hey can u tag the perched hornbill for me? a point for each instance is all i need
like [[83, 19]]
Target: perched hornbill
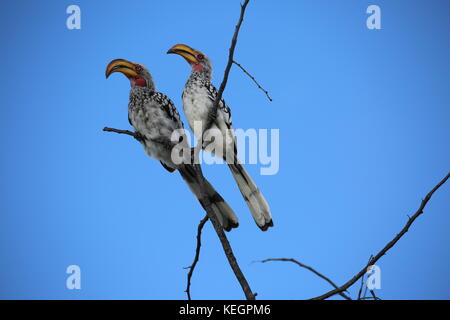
[[199, 95], [154, 118]]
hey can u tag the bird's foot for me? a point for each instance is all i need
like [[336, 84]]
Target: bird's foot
[[139, 137]]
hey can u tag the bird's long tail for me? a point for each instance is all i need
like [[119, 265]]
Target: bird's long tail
[[253, 197], [222, 210]]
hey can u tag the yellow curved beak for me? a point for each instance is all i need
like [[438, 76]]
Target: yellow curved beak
[[185, 51], [120, 65]]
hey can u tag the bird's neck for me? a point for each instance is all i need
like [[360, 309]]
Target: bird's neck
[[138, 92], [200, 75], [149, 86]]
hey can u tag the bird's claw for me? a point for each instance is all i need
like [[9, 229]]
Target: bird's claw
[[139, 137]]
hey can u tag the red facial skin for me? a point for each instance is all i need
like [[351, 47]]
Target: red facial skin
[[197, 67], [139, 82]]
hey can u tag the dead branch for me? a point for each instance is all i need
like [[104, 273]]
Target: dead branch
[[217, 227], [310, 269], [223, 240], [360, 288], [197, 256], [254, 80], [212, 115], [362, 282], [388, 246], [374, 295], [135, 135]]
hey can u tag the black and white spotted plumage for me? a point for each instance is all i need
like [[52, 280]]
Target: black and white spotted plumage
[[198, 97], [154, 117]]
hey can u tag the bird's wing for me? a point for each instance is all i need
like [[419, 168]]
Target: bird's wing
[[172, 113], [169, 108], [223, 114], [154, 116], [222, 108]]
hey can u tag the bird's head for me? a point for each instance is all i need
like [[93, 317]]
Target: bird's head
[[198, 60], [135, 72]]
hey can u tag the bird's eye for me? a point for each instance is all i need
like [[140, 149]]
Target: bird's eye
[[200, 56], [138, 68]]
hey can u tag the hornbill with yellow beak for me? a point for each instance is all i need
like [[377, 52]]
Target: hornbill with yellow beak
[[199, 95], [155, 118]]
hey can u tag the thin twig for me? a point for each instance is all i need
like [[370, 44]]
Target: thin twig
[[360, 288], [254, 80], [388, 246], [197, 256], [365, 289], [310, 269], [369, 298], [135, 135], [373, 295], [362, 282], [213, 113]]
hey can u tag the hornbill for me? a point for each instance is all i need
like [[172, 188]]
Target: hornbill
[[198, 97], [154, 118]]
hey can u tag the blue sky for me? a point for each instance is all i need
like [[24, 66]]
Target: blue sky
[[364, 135]]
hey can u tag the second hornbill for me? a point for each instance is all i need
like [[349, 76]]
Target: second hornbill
[[199, 95]]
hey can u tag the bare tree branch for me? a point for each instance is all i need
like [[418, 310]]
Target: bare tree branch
[[197, 255], [369, 298], [135, 135], [365, 287], [374, 295], [388, 246], [213, 114], [217, 227], [310, 269], [254, 80], [223, 239], [360, 288], [362, 282]]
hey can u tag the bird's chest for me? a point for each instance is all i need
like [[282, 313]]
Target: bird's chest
[[139, 118], [147, 120], [196, 106]]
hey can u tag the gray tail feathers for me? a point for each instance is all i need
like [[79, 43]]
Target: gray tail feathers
[[253, 197], [220, 207]]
